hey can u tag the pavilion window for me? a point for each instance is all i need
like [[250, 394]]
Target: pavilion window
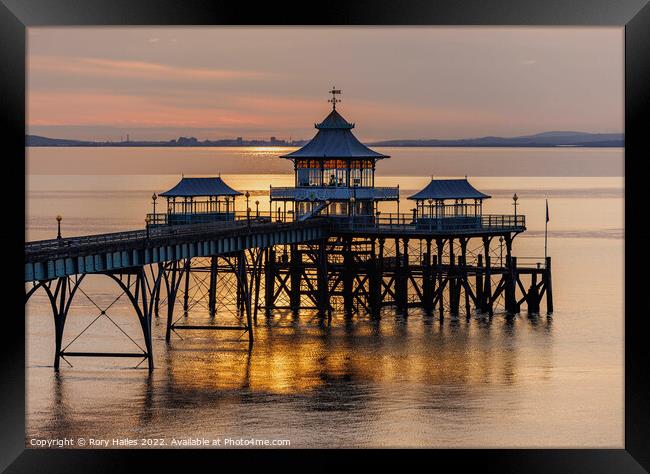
[[308, 173], [361, 173], [335, 173], [309, 177]]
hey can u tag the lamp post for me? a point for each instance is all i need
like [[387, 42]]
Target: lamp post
[[501, 250], [257, 209], [515, 199], [248, 195], [58, 226], [153, 198]]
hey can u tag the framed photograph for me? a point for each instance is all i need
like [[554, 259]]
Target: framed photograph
[[409, 234]]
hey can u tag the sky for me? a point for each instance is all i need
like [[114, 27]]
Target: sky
[[411, 82]]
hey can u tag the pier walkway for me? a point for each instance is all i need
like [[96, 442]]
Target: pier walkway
[[49, 259], [324, 263]]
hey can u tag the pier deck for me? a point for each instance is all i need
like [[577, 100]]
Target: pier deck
[[353, 263], [48, 259]]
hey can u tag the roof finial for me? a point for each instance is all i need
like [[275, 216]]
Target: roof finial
[[334, 100]]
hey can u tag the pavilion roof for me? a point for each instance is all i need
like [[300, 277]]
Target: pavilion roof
[[334, 120], [449, 189], [335, 140], [188, 187]]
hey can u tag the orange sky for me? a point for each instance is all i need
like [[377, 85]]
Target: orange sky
[[208, 82]]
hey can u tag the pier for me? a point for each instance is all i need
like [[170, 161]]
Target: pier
[[326, 247]]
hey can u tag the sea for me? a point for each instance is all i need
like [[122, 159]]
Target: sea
[[547, 381]]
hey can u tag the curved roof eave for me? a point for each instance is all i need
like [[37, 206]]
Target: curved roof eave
[[335, 143], [192, 187], [442, 189]]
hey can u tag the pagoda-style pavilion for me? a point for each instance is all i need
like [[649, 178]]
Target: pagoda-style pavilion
[[445, 202], [334, 173], [197, 200]]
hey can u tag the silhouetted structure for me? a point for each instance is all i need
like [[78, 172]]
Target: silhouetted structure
[[334, 174], [337, 251], [434, 210], [197, 200]]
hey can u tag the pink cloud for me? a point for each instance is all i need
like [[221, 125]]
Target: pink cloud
[[134, 69]]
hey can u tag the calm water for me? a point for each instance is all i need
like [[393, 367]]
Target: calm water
[[543, 382]]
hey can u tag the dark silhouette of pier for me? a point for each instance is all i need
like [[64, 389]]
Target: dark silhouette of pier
[[332, 250], [321, 264]]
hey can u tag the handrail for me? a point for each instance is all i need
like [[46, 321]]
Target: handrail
[[244, 220], [401, 221]]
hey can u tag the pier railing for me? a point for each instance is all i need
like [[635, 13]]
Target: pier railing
[[159, 231], [322, 193], [407, 222], [390, 222]]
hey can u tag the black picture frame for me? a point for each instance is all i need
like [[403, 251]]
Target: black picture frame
[[16, 15]]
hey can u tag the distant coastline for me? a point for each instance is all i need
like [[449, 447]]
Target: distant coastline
[[545, 139]]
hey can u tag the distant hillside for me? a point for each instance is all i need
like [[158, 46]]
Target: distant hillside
[[36, 140], [546, 139]]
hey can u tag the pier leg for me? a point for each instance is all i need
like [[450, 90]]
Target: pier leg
[[374, 285], [212, 290], [269, 282], [441, 298], [257, 274], [295, 268], [480, 300], [510, 285], [468, 309], [59, 319], [532, 298], [464, 277], [157, 295], [347, 277], [427, 285], [142, 300], [549, 286], [324, 306], [242, 278], [60, 301], [172, 283], [144, 312], [186, 294], [380, 274], [403, 278], [487, 292], [401, 282], [454, 292]]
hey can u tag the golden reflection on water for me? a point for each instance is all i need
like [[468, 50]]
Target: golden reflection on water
[[419, 350]]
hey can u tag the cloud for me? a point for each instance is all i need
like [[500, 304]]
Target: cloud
[[528, 61], [111, 68]]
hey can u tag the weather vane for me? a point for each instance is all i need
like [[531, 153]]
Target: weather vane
[[334, 100]]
